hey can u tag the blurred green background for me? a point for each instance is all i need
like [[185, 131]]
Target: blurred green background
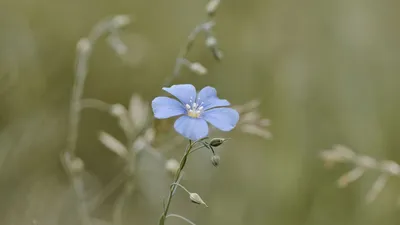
[[325, 71]]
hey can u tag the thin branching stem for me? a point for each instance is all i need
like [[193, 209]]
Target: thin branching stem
[[179, 180], [108, 190], [129, 185], [95, 104], [177, 176], [195, 149], [181, 186], [68, 158], [183, 53], [85, 47], [181, 217]]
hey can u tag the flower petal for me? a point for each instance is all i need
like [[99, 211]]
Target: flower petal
[[191, 128], [224, 119], [183, 92], [208, 97], [164, 107]]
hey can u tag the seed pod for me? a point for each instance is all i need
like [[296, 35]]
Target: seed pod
[[215, 142], [195, 198]]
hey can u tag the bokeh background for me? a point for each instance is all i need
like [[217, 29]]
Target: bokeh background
[[326, 72]]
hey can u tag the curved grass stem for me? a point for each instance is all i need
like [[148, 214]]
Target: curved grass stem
[[181, 217]]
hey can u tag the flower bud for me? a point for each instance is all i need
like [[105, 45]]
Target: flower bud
[[195, 198], [215, 142], [215, 160], [172, 166]]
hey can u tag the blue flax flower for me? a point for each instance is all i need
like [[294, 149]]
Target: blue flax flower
[[195, 109]]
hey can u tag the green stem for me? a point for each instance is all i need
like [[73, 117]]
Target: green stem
[[182, 218], [181, 186], [177, 175]]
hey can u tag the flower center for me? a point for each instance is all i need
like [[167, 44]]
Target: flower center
[[194, 109]]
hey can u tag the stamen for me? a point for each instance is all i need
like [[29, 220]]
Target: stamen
[[193, 108]]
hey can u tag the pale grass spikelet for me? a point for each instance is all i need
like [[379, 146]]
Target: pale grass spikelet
[[212, 6], [350, 176], [139, 144], [338, 153], [362, 163], [116, 43], [211, 41], [250, 117], [83, 45], [256, 130], [265, 122], [138, 111], [344, 152], [248, 106], [251, 121], [390, 167], [121, 20], [366, 162], [144, 141], [118, 110], [207, 26], [133, 119], [76, 165], [377, 187], [113, 144], [172, 166], [198, 68], [149, 135]]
